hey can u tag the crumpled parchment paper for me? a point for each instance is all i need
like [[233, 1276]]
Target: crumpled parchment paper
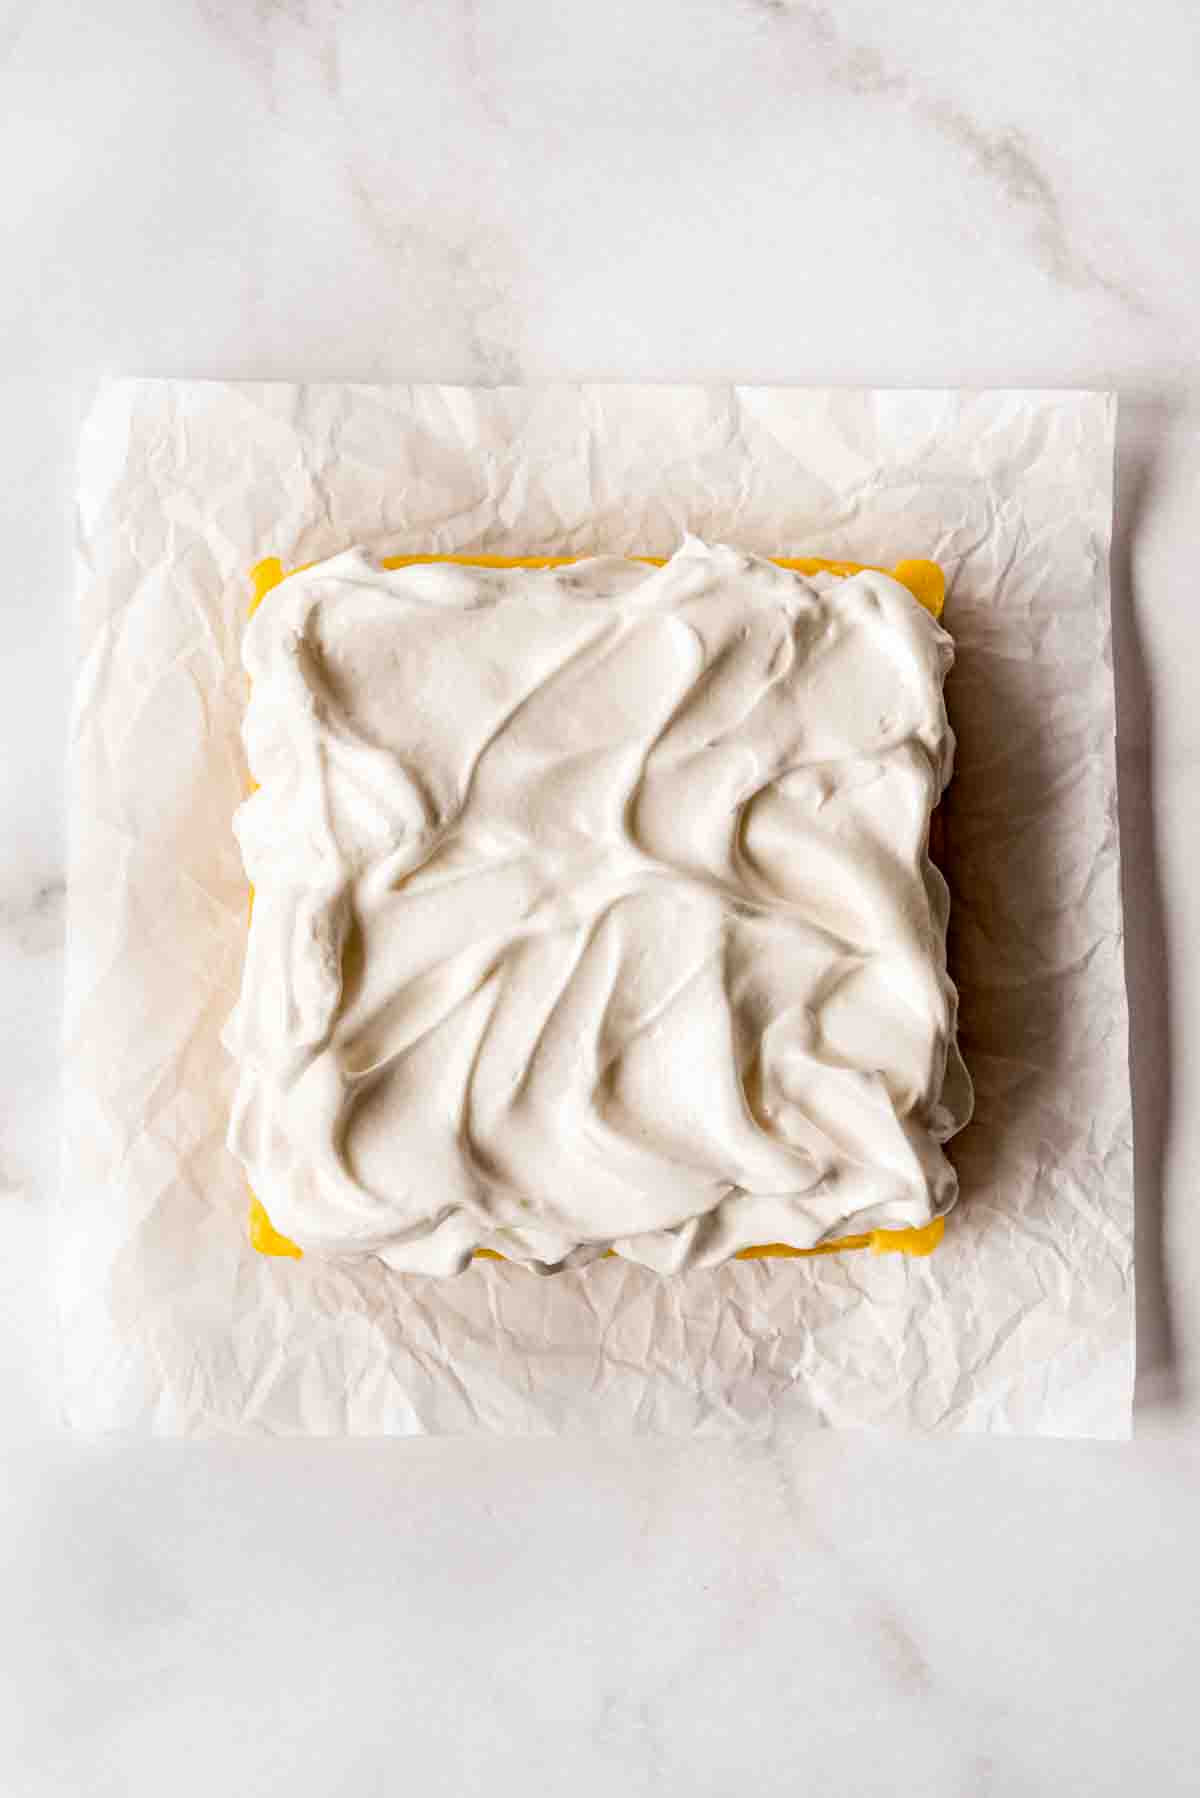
[[1023, 1319]]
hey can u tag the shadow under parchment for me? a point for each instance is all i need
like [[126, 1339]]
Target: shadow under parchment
[[1144, 424]]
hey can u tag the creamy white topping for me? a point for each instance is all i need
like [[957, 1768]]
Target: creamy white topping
[[593, 909]]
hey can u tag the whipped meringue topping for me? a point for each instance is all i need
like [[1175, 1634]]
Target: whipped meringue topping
[[593, 909]]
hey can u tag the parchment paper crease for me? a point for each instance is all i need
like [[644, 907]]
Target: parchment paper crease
[[1023, 1320]]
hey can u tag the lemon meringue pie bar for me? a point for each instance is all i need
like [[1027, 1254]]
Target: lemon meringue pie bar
[[593, 911]]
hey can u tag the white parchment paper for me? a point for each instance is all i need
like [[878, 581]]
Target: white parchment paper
[[1022, 1321]]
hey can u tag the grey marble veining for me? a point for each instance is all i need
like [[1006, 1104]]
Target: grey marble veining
[[31, 921], [1005, 161]]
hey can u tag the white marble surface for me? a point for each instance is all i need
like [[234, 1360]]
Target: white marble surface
[[926, 193]]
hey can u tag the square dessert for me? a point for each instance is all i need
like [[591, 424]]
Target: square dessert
[[594, 911]]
